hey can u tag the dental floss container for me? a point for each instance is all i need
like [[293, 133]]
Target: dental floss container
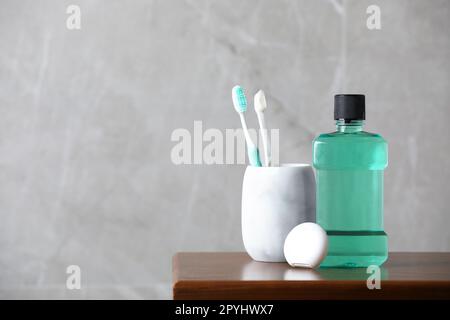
[[306, 245]]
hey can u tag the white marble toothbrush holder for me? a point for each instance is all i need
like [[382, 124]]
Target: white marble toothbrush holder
[[274, 201]]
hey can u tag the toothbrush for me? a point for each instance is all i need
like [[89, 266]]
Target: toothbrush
[[260, 106], [240, 104]]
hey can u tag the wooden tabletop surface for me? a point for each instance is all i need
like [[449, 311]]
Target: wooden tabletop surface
[[234, 275]]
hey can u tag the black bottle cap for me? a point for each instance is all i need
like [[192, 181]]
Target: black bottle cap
[[349, 107]]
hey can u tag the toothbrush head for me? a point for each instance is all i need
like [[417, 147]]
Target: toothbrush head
[[260, 101], [239, 99]]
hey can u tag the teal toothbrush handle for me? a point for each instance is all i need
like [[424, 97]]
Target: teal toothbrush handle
[[253, 156]]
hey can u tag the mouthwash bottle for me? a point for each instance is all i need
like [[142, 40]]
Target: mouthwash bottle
[[349, 167]]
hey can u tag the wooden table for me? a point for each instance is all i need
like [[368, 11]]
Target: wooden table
[[234, 275]]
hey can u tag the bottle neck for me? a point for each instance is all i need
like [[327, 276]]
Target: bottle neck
[[349, 126]]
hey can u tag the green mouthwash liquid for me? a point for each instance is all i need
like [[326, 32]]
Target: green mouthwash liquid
[[349, 167]]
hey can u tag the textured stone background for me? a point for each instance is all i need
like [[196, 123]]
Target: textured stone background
[[86, 119]]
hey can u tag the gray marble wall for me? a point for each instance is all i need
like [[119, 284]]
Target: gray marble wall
[[86, 118]]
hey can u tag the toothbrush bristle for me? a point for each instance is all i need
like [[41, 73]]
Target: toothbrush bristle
[[239, 99], [260, 101]]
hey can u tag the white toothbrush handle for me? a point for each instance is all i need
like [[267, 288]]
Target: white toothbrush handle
[[264, 135], [246, 133]]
